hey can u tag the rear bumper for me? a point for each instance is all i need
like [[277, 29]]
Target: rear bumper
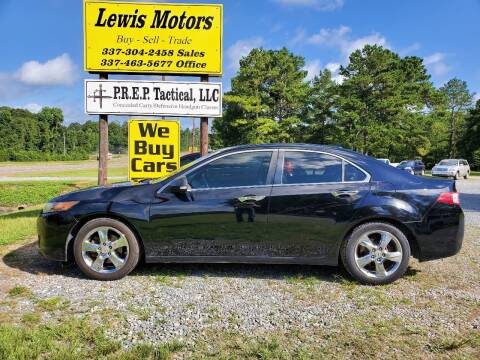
[[53, 230], [440, 235]]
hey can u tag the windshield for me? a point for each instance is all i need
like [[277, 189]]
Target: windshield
[[406, 163], [449, 162], [194, 162]]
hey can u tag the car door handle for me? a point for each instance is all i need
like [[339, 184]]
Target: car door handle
[[250, 198], [344, 193]]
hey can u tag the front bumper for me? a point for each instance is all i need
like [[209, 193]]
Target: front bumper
[[443, 174], [53, 231]]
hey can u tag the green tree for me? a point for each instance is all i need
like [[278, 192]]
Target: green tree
[[319, 110], [457, 102], [50, 123], [470, 141], [266, 100], [381, 101]]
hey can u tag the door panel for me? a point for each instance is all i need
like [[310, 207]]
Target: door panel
[[229, 222], [224, 214], [308, 219]]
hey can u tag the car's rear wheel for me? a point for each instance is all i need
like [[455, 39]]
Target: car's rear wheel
[[376, 253], [467, 175], [457, 176], [106, 249]]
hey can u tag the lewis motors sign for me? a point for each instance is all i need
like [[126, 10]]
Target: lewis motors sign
[[195, 99]]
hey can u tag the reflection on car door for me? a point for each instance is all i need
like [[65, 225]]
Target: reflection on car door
[[224, 214], [312, 201]]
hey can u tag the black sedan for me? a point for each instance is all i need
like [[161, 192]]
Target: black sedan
[[303, 204]]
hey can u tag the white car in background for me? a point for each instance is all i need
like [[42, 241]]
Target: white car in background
[[386, 161], [456, 168]]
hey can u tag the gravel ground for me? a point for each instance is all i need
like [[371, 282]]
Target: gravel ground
[[188, 302]]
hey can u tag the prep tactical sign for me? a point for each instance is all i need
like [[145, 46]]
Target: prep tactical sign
[[166, 98], [153, 148], [153, 37]]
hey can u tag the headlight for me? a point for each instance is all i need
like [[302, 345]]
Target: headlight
[[59, 206]]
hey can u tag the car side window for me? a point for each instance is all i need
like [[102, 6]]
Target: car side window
[[352, 173], [236, 170], [310, 167]]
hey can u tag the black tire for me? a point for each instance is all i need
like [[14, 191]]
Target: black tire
[[133, 249], [466, 175], [457, 176], [348, 251]]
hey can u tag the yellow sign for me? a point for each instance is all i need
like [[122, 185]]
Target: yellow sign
[[153, 148], [153, 37]]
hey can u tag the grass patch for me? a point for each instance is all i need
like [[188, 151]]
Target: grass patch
[[52, 304], [72, 339], [169, 278], [28, 193], [31, 318], [20, 291], [18, 226], [113, 171]]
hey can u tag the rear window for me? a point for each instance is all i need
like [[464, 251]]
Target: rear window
[[352, 173], [310, 168]]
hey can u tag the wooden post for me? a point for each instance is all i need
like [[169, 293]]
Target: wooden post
[[204, 128], [103, 143]]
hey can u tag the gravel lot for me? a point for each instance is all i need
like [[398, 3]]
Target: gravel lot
[[197, 303]]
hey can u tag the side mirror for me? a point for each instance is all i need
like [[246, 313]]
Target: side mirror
[[179, 186]]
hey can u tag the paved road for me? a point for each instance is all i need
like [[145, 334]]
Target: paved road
[[470, 199]]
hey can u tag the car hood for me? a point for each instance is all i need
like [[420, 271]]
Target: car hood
[[97, 193]]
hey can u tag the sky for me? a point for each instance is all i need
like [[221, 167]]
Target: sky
[[41, 50]]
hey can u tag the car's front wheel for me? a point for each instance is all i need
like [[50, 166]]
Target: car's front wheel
[[376, 253], [106, 249]]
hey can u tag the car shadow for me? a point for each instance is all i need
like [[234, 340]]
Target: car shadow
[[27, 259]]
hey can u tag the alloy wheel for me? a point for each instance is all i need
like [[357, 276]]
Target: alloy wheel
[[105, 250], [378, 254]]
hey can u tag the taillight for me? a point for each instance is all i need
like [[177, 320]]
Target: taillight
[[449, 198]]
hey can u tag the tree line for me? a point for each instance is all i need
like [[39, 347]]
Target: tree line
[[384, 105], [380, 104], [25, 136]]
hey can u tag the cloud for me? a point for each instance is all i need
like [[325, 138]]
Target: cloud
[[240, 49], [436, 64], [334, 68], [33, 107], [320, 5], [298, 38], [312, 68], [341, 39], [409, 49], [58, 71]]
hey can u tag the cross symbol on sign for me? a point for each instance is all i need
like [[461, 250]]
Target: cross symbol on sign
[[98, 94]]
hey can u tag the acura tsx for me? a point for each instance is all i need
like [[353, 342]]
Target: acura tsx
[[276, 203]]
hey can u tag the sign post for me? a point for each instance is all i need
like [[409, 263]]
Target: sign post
[[102, 141], [152, 39], [204, 129]]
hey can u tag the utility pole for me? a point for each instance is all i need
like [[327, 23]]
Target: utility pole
[[204, 128], [65, 141], [103, 143]]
